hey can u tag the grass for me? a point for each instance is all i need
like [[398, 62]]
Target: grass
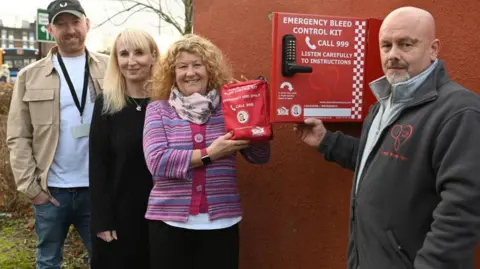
[[18, 245], [17, 248]]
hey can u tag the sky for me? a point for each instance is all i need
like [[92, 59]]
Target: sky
[[12, 12]]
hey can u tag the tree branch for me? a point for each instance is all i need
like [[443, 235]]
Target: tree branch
[[188, 15], [128, 17], [166, 17], [115, 15]]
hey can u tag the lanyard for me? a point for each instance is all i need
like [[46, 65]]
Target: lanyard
[[79, 106]]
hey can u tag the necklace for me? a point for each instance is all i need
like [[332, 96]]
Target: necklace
[[139, 106]]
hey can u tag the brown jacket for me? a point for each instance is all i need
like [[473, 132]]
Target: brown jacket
[[33, 123]]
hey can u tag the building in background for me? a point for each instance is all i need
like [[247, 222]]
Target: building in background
[[18, 46], [23, 37]]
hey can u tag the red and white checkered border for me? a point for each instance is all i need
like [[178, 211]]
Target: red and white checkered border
[[359, 63]]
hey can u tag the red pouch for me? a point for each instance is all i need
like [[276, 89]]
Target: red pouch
[[246, 110]]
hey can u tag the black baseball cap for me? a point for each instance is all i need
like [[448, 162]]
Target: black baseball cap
[[64, 6]]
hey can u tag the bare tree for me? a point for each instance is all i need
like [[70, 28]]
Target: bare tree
[[183, 24]]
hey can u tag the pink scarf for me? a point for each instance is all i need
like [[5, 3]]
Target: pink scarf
[[195, 108]]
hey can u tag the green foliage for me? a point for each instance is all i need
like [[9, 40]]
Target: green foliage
[[18, 245]]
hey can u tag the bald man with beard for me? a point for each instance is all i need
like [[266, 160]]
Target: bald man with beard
[[415, 199]]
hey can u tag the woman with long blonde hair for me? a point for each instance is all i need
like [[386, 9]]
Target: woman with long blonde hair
[[120, 182]]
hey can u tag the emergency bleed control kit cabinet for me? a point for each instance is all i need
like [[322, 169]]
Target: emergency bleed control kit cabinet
[[321, 67]]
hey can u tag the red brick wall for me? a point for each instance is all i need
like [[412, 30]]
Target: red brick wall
[[296, 207]]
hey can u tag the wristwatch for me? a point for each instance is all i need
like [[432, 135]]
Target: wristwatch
[[205, 158]]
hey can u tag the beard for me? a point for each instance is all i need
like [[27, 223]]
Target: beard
[[71, 43], [397, 78], [399, 75]]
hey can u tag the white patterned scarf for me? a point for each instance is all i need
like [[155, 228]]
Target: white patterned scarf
[[195, 108]]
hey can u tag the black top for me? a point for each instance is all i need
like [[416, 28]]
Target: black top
[[120, 182]]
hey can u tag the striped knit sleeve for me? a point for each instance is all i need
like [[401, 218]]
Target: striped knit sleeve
[[258, 153], [163, 161]]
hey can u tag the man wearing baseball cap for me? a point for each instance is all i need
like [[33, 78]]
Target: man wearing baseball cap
[[48, 128], [70, 39], [58, 7]]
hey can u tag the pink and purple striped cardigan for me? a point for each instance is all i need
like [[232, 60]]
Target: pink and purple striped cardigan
[[168, 147]]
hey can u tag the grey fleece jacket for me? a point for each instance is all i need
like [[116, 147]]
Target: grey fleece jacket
[[418, 198], [392, 99]]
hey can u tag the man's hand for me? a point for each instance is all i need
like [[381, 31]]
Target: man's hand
[[44, 198], [311, 132], [108, 236]]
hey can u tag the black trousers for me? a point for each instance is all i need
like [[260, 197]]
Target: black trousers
[[178, 248], [130, 251]]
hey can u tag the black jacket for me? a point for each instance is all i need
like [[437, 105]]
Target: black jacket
[[418, 200]]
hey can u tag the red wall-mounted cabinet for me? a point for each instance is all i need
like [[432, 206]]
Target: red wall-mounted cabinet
[[321, 67]]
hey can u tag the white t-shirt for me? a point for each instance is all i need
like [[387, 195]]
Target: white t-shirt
[[202, 222], [70, 164]]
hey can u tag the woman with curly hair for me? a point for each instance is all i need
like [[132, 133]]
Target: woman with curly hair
[[194, 207]]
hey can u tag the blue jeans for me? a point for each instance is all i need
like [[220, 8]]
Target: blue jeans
[[52, 224]]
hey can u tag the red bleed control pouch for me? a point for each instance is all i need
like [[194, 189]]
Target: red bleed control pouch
[[246, 110]]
